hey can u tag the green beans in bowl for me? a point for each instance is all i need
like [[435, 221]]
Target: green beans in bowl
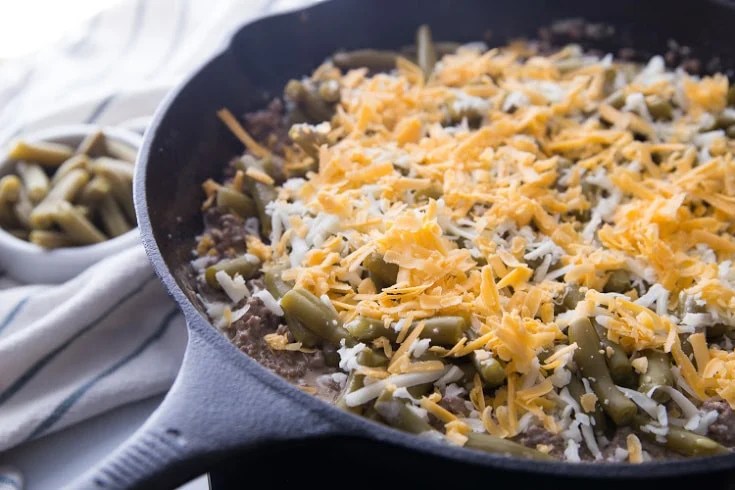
[[66, 200]]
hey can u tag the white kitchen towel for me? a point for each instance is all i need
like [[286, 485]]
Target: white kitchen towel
[[111, 335]]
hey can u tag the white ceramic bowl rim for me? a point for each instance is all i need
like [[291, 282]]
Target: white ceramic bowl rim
[[71, 132]]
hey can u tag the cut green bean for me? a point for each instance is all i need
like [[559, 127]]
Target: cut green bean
[[50, 239], [78, 228], [65, 190], [354, 382], [491, 370], [122, 190], [93, 145], [619, 281], [372, 59], [278, 287], [497, 445], [658, 373], [572, 296], [593, 366], [34, 179], [77, 161], [308, 138], [682, 441], [367, 329], [443, 330], [442, 48], [261, 193], [112, 217], [43, 152], [577, 390], [23, 208], [617, 360], [425, 52], [121, 151], [309, 101], [237, 202], [397, 414], [313, 314], [106, 166], [8, 219], [659, 107], [434, 191], [382, 273], [96, 189], [10, 187], [372, 358], [245, 266]]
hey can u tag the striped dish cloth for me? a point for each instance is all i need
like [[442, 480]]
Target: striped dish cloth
[[111, 335]]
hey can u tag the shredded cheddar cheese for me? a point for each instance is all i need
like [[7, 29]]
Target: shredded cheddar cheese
[[515, 192]]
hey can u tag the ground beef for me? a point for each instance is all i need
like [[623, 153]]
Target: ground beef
[[654, 450], [227, 232], [723, 429], [455, 404], [535, 435], [269, 125], [248, 332]]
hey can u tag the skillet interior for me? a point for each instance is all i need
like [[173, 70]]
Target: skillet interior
[[190, 145]]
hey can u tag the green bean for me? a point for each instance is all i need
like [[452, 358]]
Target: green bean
[[308, 138], [724, 120], [317, 317], [372, 358], [121, 151], [442, 48], [658, 373], [34, 179], [261, 193], [496, 445], [366, 329], [96, 189], [397, 414], [443, 330], [65, 190], [237, 202], [572, 296], [417, 391], [122, 190], [246, 266], [112, 217], [50, 239], [106, 166], [577, 390], [43, 152], [372, 59], [682, 441], [593, 366], [93, 145], [619, 281], [10, 187], [730, 132], [382, 273], [617, 360], [329, 91], [23, 208], [278, 288], [77, 227], [354, 382], [434, 191], [659, 107], [307, 99], [77, 161], [425, 52], [490, 369]]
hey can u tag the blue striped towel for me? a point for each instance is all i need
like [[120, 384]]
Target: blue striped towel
[[111, 335]]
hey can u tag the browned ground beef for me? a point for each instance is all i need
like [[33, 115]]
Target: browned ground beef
[[269, 125], [248, 332], [536, 435], [619, 441], [723, 429], [227, 231]]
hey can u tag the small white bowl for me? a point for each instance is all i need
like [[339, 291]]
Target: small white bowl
[[29, 263]]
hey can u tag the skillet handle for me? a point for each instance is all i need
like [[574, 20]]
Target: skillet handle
[[217, 403]]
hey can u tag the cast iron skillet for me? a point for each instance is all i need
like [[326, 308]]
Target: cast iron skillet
[[223, 401]]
